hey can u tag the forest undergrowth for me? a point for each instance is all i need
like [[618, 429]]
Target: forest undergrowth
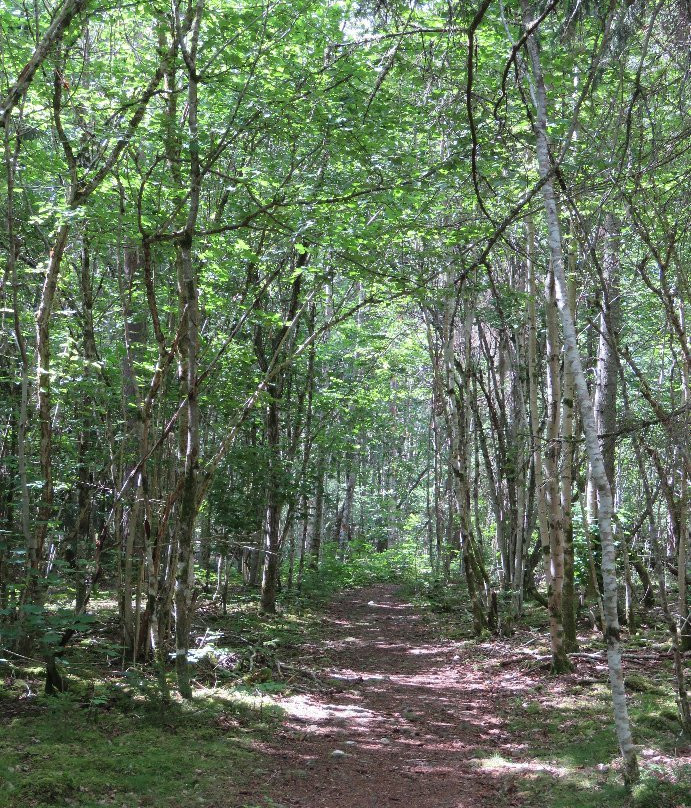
[[302, 301], [111, 740]]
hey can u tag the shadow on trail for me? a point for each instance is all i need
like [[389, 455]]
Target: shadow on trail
[[407, 720]]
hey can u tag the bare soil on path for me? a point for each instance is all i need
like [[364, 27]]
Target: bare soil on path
[[407, 720]]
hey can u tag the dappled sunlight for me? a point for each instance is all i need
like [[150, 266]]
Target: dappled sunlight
[[391, 647], [358, 676], [394, 607], [400, 702], [306, 708], [498, 763], [425, 651], [444, 725]]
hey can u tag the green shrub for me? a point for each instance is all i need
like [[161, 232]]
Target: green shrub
[[363, 566]]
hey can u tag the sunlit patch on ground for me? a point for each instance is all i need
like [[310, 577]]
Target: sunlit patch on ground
[[433, 725], [427, 651], [307, 708], [499, 763]]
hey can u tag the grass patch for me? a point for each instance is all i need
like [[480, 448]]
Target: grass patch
[[57, 752], [110, 741], [566, 749], [656, 792]]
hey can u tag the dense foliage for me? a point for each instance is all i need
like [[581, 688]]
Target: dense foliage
[[290, 287]]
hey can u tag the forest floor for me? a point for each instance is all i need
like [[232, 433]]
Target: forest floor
[[374, 699], [414, 720]]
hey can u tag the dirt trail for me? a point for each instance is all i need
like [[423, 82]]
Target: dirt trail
[[408, 722]]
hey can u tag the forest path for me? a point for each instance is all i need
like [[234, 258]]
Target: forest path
[[408, 721]]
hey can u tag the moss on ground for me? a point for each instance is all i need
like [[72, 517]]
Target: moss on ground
[[59, 752], [574, 755], [563, 751], [111, 741]]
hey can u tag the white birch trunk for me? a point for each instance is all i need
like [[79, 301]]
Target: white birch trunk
[[597, 466]]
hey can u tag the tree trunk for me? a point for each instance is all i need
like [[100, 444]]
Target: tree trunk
[[345, 523], [456, 419], [560, 662], [189, 352], [684, 506], [272, 527], [318, 519], [567, 467], [533, 383], [606, 372], [595, 457]]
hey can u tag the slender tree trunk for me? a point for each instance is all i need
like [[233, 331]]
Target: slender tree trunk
[[135, 338], [606, 372], [567, 467], [560, 662], [273, 509], [680, 675], [457, 417], [318, 519], [189, 350], [45, 510], [23, 415], [595, 457], [346, 521], [533, 383], [684, 506], [81, 532]]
